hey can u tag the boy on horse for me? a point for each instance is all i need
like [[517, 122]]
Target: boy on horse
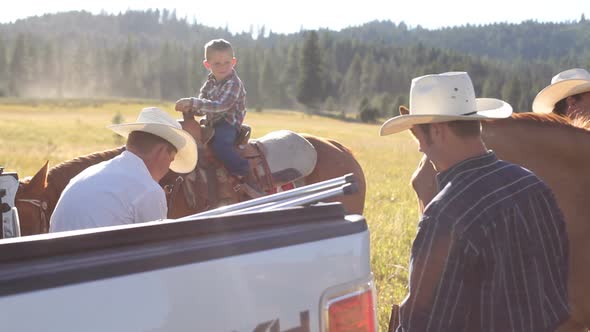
[[222, 99]]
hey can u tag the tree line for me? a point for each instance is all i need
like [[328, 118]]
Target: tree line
[[156, 55]]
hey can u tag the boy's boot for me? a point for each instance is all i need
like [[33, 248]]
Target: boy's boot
[[248, 186]]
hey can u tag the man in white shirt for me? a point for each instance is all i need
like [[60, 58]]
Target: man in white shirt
[[125, 189]]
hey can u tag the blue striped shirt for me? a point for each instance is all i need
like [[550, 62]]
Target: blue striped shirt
[[491, 253]]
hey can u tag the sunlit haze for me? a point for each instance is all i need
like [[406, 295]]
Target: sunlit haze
[[288, 17]]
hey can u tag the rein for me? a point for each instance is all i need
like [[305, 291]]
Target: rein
[[171, 191]]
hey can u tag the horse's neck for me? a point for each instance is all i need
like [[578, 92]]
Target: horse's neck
[[557, 153], [60, 175], [537, 140]]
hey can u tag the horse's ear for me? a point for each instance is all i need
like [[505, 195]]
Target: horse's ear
[[403, 110], [39, 181]]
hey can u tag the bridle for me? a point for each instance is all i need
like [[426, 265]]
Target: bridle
[[41, 205], [171, 189]]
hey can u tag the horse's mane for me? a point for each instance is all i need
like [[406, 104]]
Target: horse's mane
[[59, 176], [526, 136], [553, 120]]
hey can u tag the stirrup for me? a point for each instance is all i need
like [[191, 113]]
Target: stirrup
[[250, 191], [243, 186]]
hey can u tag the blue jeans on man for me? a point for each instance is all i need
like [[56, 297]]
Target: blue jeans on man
[[223, 147]]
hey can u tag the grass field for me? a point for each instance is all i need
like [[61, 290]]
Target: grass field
[[32, 132]]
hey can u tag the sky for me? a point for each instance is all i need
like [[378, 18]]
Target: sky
[[288, 17]]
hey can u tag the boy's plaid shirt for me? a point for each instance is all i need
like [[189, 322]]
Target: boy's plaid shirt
[[225, 99]]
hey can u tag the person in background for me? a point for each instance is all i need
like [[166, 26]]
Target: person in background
[[125, 189], [491, 251], [567, 95]]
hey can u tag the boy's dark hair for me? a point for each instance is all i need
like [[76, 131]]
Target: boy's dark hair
[[471, 128], [217, 45], [145, 142]]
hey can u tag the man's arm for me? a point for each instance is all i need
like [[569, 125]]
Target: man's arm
[[424, 183], [436, 287]]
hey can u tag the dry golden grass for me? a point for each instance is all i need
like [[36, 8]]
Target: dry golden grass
[[35, 131]]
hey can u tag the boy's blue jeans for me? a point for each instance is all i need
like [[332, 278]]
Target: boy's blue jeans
[[223, 147]]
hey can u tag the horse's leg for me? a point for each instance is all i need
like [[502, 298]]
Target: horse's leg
[[424, 183], [335, 160]]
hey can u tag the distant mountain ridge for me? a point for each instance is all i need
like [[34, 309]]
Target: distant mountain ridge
[[155, 54], [504, 41]]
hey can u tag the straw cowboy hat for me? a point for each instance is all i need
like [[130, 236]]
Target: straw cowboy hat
[[445, 97], [155, 121], [565, 84]]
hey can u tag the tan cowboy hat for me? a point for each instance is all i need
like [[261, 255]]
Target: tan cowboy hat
[[445, 97], [565, 84], [155, 121]]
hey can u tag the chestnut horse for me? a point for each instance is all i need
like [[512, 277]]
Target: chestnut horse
[[333, 160], [554, 149], [37, 196]]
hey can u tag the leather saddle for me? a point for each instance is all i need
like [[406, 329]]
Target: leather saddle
[[277, 159]]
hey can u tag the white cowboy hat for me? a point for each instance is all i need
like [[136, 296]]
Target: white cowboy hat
[[445, 97], [155, 121], [565, 84]]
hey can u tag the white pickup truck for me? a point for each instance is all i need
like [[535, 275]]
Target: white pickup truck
[[283, 269]]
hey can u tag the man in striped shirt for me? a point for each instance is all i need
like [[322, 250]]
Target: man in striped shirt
[[491, 251]]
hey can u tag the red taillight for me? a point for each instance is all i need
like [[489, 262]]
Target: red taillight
[[351, 311]]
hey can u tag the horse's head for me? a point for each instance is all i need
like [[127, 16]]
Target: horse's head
[[31, 203]]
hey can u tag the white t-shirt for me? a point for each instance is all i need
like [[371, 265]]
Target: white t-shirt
[[114, 192]]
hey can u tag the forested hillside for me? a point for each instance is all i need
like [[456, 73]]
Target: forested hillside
[[154, 54]]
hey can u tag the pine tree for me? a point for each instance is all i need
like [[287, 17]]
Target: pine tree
[[351, 88], [80, 70], [198, 73], [60, 76], [368, 75], [511, 92], [3, 69], [48, 69], [33, 63], [18, 77], [129, 82], [268, 86], [166, 73], [367, 113], [310, 85], [249, 74], [290, 75]]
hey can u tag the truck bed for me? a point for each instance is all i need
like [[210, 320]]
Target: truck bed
[[249, 272]]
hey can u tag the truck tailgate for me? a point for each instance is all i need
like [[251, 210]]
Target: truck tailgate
[[251, 272]]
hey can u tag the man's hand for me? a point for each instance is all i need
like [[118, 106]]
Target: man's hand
[[184, 105], [424, 183]]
